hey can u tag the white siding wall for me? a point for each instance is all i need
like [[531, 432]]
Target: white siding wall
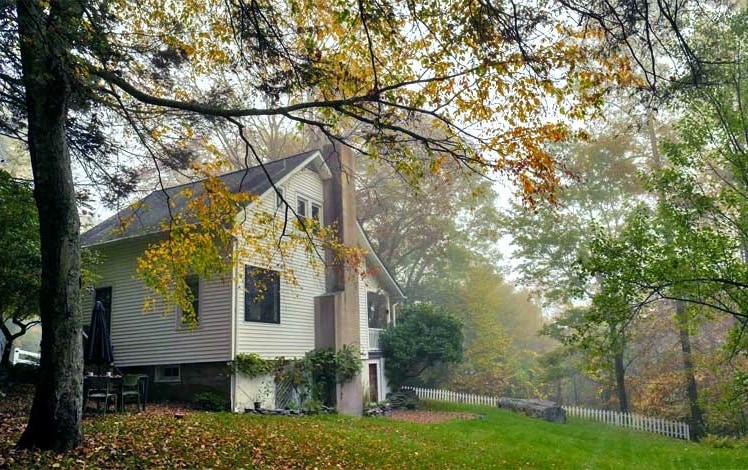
[[154, 338], [294, 336]]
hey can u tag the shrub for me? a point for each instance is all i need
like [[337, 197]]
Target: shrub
[[425, 335], [211, 401], [252, 365]]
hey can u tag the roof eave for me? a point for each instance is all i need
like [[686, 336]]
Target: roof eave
[[371, 256]]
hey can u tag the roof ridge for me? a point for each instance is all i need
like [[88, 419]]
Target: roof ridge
[[149, 209], [234, 172]]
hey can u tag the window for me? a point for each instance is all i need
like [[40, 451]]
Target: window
[[301, 205], [317, 214], [261, 295], [171, 373], [193, 290], [378, 313]]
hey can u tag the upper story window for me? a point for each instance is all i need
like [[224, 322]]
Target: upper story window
[[261, 295], [193, 291], [301, 207], [307, 209], [317, 213], [377, 310]]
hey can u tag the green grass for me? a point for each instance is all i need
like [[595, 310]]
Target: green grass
[[500, 439]]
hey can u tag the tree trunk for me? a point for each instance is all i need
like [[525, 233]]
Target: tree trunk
[[620, 371], [45, 31], [5, 361], [8, 347], [10, 338], [697, 423]]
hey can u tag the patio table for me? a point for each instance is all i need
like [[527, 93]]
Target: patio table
[[116, 385]]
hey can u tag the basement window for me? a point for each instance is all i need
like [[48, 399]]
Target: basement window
[[168, 374]]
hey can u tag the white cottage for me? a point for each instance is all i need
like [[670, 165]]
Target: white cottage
[[323, 308]]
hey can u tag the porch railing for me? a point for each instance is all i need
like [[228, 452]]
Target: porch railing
[[25, 357]]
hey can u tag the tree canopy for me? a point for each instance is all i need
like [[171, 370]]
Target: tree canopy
[[20, 259], [116, 88]]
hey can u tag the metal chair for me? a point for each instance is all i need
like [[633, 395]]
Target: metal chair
[[131, 388], [100, 390]]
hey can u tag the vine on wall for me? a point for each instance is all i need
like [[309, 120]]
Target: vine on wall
[[314, 376]]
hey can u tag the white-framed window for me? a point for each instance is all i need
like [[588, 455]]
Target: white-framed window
[[317, 213], [302, 205], [308, 209], [261, 295], [169, 373]]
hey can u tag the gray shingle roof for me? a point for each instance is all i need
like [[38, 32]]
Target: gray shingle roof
[[149, 215]]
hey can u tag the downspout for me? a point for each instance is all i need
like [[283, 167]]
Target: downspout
[[395, 308], [233, 339]]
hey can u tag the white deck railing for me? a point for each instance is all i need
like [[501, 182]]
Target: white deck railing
[[665, 427], [25, 357]]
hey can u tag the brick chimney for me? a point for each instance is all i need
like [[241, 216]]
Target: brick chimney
[[337, 312]]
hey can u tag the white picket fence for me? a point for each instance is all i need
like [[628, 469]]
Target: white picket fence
[[453, 397], [20, 356], [665, 427]]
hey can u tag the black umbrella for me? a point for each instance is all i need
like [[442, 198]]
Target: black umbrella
[[99, 347]]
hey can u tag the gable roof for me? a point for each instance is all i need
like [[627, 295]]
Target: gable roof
[[380, 270], [149, 215]]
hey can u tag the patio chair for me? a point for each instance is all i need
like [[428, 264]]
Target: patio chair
[[131, 388], [99, 389]]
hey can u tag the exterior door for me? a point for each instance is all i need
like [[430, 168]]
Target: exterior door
[[373, 383]]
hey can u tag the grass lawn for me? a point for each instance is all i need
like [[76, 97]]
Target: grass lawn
[[501, 439]]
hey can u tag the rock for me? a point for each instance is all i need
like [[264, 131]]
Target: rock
[[404, 398], [542, 409], [378, 409]]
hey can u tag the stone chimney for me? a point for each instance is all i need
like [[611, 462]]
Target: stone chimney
[[337, 312]]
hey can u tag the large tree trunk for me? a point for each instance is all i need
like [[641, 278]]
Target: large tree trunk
[[5, 361], [55, 421], [697, 422], [620, 371]]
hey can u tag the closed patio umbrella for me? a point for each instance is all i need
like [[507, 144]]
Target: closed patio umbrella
[[99, 347]]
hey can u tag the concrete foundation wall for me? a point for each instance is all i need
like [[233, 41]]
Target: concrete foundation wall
[[195, 378]]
